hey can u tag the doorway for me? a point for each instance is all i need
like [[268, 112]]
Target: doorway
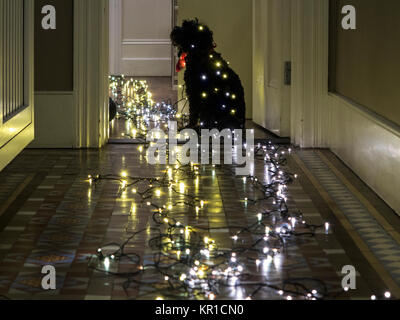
[[141, 50]]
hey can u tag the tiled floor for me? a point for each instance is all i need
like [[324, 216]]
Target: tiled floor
[[62, 221], [50, 214]]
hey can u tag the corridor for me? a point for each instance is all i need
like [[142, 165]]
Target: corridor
[[51, 214], [111, 190]]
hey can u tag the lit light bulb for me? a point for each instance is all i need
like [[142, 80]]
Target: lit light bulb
[[327, 226], [107, 263], [183, 277]]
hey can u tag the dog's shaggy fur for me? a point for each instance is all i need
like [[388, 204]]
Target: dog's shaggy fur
[[214, 90]]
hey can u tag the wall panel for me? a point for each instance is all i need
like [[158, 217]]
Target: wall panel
[[367, 59]]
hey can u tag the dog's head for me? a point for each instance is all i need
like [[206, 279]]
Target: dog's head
[[192, 37]]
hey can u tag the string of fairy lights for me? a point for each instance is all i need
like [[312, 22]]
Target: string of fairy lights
[[184, 260], [140, 111]]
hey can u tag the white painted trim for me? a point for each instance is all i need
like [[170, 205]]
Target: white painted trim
[[368, 146], [135, 42], [91, 69], [26, 134], [146, 59], [54, 93], [365, 141], [310, 114], [115, 24], [15, 146], [368, 114]]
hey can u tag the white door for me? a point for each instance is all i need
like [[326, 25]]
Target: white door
[[16, 78], [139, 37]]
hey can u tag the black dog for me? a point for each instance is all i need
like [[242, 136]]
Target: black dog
[[112, 109], [214, 90]]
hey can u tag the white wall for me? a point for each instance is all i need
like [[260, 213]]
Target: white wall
[[368, 144], [231, 22], [271, 48], [79, 118], [140, 32]]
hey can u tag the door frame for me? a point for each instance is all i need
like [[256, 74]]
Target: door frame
[[21, 127]]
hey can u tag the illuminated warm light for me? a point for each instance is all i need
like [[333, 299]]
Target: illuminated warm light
[[133, 209], [107, 263], [327, 225], [183, 277], [181, 241]]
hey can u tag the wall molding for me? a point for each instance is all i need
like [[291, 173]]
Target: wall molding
[[128, 42], [91, 69], [310, 112], [146, 59], [54, 93], [366, 142], [18, 132], [115, 24], [368, 114]]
